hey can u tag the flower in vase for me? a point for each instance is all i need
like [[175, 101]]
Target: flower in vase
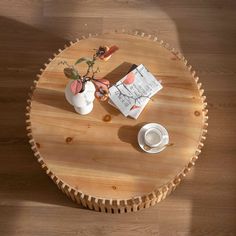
[[104, 52], [78, 85]]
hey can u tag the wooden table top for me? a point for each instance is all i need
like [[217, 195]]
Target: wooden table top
[[99, 164]]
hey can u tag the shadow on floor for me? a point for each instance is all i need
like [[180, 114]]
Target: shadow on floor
[[24, 49]]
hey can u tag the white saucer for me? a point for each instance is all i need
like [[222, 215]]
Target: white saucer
[[161, 147]]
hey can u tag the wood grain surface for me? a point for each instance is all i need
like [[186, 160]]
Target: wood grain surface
[[31, 31], [98, 161]]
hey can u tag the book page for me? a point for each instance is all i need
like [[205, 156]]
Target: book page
[[134, 91]]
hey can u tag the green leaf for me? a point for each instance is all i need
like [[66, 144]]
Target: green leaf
[[90, 63], [83, 59], [75, 75], [68, 72], [71, 73]]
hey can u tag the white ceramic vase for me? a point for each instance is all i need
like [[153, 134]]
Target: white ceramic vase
[[82, 102]]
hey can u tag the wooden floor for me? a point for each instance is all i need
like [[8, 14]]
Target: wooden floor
[[205, 31]]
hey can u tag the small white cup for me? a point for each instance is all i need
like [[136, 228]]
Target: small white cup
[[153, 137]]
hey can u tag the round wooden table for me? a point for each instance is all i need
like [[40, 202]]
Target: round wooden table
[[98, 163]]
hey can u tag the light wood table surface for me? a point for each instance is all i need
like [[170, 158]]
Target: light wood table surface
[[99, 164]]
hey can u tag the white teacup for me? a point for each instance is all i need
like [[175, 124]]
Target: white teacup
[[153, 137]]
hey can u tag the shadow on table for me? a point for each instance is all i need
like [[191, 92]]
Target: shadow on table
[[128, 134], [53, 98], [114, 76]]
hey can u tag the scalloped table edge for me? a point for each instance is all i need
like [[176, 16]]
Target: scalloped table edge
[[116, 205]]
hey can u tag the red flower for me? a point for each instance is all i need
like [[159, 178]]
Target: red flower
[[104, 53], [76, 86], [102, 86], [101, 94]]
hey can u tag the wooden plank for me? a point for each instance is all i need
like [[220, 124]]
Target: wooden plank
[[188, 211]]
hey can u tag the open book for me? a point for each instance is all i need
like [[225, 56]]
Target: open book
[[132, 93]]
